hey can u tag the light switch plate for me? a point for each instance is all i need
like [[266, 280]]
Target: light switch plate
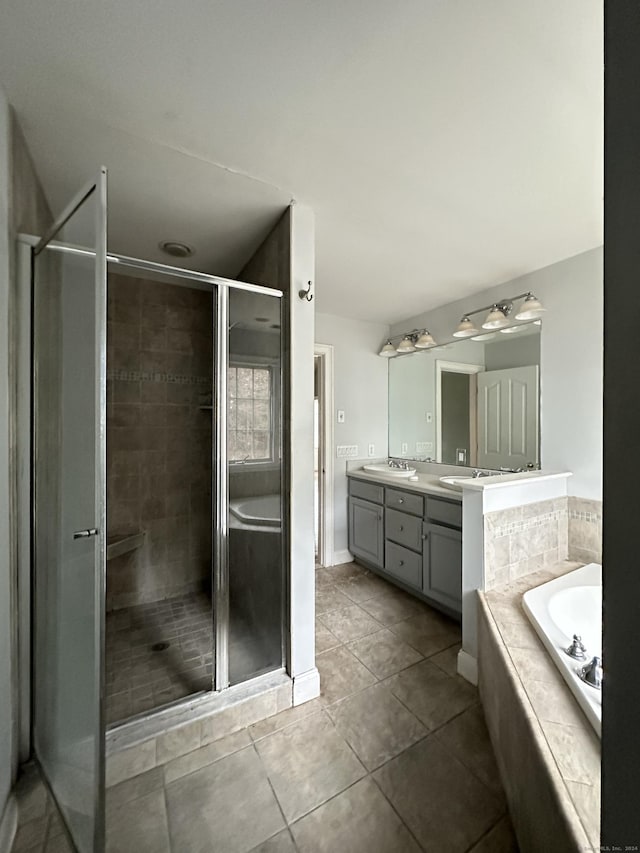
[[372, 450], [347, 451], [405, 448]]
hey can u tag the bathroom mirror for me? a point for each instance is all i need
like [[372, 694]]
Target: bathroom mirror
[[473, 402]]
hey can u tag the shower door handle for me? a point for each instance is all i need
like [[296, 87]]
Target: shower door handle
[[84, 534]]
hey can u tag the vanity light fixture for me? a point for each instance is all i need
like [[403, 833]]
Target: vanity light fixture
[[388, 350], [531, 308], [418, 339], [511, 330], [487, 336], [425, 341], [406, 344], [465, 329], [497, 318]]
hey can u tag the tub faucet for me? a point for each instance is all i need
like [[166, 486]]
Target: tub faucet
[[591, 674], [577, 648]]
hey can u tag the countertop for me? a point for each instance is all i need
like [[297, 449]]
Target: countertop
[[426, 484]]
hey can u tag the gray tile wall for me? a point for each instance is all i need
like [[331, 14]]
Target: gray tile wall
[[525, 539], [159, 373]]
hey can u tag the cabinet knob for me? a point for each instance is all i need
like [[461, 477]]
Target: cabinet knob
[[400, 500], [424, 536], [401, 562], [402, 527]]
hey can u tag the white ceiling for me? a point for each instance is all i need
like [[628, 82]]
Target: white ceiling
[[445, 145]]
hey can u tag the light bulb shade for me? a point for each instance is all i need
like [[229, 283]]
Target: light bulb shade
[[465, 329], [406, 345], [425, 341], [496, 319], [486, 336], [511, 330], [388, 350], [531, 308]]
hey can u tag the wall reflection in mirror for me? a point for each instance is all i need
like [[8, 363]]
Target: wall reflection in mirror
[[473, 402]]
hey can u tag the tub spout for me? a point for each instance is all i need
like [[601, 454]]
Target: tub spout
[[577, 649], [592, 673]]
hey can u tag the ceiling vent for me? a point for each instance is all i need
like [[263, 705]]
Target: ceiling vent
[[176, 249]]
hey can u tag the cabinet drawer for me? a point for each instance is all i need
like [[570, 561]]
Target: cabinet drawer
[[366, 491], [403, 564], [404, 529], [406, 501], [444, 512]]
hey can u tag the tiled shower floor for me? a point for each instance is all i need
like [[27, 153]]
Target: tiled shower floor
[[139, 678]]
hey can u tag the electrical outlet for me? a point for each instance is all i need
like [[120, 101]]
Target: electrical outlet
[[347, 451], [428, 446], [340, 416], [372, 450], [423, 447]]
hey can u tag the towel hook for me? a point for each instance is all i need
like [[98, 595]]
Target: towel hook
[[306, 294]]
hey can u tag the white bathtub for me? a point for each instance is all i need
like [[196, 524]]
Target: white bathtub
[[568, 605], [261, 511]]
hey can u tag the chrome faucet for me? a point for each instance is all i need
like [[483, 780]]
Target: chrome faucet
[[479, 472], [591, 674], [577, 650], [399, 464]]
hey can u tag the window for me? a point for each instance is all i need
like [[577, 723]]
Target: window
[[251, 417]]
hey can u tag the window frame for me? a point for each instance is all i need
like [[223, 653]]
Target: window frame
[[275, 460]]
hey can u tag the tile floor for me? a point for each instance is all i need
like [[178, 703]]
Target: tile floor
[[393, 757], [139, 678]]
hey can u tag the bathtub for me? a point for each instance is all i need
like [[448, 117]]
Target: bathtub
[[568, 605], [263, 511]]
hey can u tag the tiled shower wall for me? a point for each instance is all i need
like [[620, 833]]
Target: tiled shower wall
[[159, 374], [525, 539]]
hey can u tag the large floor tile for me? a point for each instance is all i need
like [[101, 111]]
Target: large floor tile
[[376, 725], [349, 623], [227, 806], [442, 803], [362, 587], [499, 839], [330, 598], [429, 632], [341, 674], [308, 763], [384, 653], [284, 719], [140, 825], [280, 843], [325, 640], [359, 820], [212, 752], [447, 660], [392, 606], [432, 695], [467, 738]]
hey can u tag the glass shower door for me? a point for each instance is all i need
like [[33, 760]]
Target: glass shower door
[[69, 402]]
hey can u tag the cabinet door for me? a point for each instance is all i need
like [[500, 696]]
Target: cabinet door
[[442, 565], [366, 531]]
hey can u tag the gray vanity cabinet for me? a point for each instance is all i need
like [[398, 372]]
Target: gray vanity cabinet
[[442, 564], [366, 531]]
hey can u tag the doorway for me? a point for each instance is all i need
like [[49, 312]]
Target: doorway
[[323, 453], [456, 412]]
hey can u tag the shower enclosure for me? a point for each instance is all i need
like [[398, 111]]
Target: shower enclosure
[[159, 568]]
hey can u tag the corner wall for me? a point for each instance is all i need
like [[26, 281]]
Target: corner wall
[[570, 361], [361, 390], [286, 261]]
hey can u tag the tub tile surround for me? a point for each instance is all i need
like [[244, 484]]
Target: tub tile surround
[[535, 723], [525, 539]]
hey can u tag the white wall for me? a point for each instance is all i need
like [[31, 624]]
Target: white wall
[[570, 361], [361, 391]]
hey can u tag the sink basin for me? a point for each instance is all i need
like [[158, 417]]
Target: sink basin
[[454, 482], [391, 472]]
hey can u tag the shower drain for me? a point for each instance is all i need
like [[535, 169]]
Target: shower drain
[[159, 647]]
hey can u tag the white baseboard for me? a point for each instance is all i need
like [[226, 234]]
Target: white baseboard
[[8, 825], [340, 557], [306, 686], [468, 667]]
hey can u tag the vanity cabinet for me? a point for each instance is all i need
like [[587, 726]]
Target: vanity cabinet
[[366, 531], [413, 539]]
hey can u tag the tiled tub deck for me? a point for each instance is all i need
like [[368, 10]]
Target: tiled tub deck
[[547, 752]]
